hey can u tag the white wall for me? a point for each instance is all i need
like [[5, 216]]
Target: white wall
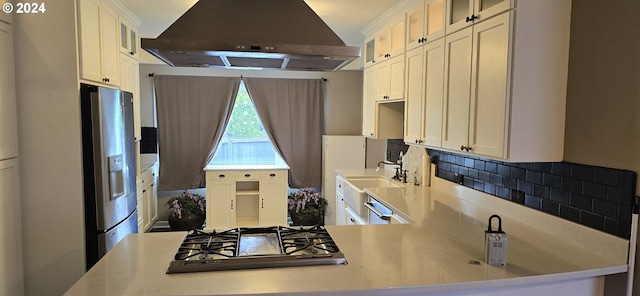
[[47, 94]]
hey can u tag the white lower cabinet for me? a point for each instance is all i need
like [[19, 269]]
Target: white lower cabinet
[[246, 198], [147, 199], [352, 218]]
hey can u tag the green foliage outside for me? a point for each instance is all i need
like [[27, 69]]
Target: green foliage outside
[[244, 122]]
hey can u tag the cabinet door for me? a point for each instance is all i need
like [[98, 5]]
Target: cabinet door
[[369, 102], [433, 92], [370, 52], [485, 9], [459, 14], [396, 77], [146, 201], [490, 85], [397, 36], [153, 205], [109, 28], [273, 198], [457, 89], [11, 266], [141, 212], [90, 48], [382, 81], [382, 44], [341, 218], [221, 206], [415, 25], [425, 23], [435, 17], [8, 117], [414, 99], [128, 39], [390, 79]]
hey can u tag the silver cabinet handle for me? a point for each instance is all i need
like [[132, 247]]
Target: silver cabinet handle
[[375, 211]]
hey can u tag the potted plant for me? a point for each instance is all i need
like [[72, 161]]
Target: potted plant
[[307, 207], [187, 211]]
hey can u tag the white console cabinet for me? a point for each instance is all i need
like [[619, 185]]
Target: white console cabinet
[[246, 197]]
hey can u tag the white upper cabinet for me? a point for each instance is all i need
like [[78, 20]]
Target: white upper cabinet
[[425, 22], [128, 38], [414, 99], [458, 51], [476, 103], [390, 79], [8, 114], [462, 13], [434, 57], [99, 42], [389, 41]]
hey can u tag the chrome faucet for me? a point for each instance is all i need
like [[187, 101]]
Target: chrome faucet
[[381, 162]]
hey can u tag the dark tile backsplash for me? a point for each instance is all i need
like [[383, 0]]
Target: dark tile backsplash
[[597, 197], [149, 141], [394, 147]]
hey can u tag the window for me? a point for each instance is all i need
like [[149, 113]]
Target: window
[[245, 141]]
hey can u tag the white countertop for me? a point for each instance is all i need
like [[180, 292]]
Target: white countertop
[[245, 167], [429, 255]]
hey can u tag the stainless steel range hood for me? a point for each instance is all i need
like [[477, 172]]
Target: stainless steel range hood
[[261, 34]]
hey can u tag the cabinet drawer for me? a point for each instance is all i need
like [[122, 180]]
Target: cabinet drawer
[[146, 177], [221, 175], [247, 175], [340, 185], [273, 175]]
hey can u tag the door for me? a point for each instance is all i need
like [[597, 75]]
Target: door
[[109, 26], [490, 85], [273, 198], [414, 98], [433, 92], [369, 102], [457, 89], [221, 189]]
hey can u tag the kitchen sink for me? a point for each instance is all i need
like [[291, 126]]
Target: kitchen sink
[[355, 196]]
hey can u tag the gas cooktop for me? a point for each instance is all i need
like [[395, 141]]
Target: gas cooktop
[[246, 248]]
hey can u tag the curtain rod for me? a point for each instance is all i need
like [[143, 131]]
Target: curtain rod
[[323, 79]]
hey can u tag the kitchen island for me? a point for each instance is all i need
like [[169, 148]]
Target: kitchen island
[[440, 253]]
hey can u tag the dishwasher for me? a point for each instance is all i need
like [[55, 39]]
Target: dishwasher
[[378, 213]]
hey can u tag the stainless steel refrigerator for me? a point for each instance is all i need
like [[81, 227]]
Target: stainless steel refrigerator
[[109, 168]]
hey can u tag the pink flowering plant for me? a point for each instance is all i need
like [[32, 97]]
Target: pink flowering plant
[[307, 202], [185, 204]]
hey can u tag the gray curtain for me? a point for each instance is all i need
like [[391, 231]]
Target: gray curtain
[[192, 113], [292, 112]]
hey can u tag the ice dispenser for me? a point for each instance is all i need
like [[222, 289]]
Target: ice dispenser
[[116, 176]]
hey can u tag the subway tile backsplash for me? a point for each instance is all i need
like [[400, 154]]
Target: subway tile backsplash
[[597, 197]]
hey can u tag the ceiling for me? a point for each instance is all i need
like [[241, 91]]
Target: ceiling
[[346, 18]]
